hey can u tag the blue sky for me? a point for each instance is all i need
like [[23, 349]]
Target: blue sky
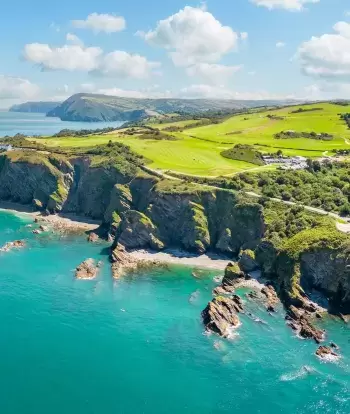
[[240, 49]]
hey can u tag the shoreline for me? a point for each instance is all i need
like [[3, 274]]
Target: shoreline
[[180, 257], [72, 222], [57, 221]]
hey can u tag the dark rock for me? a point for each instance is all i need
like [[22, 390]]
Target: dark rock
[[334, 346], [326, 352], [221, 314], [233, 273], [302, 323], [247, 261]]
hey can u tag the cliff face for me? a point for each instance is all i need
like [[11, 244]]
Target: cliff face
[[143, 211], [196, 219], [32, 178]]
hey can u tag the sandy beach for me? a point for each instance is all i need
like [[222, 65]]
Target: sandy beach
[[179, 257]]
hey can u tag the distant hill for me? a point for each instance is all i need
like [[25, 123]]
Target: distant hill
[[35, 107], [95, 108]]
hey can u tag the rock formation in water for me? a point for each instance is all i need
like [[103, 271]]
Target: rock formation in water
[[87, 270], [220, 316]]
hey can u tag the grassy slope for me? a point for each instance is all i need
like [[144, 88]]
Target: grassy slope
[[191, 155], [187, 155], [260, 130]]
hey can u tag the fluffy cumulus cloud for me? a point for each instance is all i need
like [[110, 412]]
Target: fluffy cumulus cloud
[[193, 35], [67, 57], [75, 57], [122, 64], [101, 23], [212, 72], [291, 5], [12, 87], [327, 56], [326, 90]]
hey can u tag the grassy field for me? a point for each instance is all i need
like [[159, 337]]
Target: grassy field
[[197, 151], [257, 129]]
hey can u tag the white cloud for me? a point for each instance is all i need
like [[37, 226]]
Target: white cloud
[[252, 73], [213, 73], [149, 92], [197, 91], [191, 36], [101, 23], [243, 35], [74, 39], [327, 90], [327, 56], [279, 45], [290, 5], [347, 13], [67, 57], [89, 59], [122, 64], [12, 87]]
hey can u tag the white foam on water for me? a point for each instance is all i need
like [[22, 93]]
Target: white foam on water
[[301, 373]]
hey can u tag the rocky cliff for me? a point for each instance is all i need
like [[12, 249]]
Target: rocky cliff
[[142, 211]]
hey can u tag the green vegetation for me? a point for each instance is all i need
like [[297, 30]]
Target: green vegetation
[[245, 153], [284, 222], [309, 135], [324, 237], [326, 187], [182, 147]]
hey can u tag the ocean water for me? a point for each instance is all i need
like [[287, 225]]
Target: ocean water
[[137, 345], [12, 123]]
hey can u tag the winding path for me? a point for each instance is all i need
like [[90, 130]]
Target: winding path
[[341, 226]]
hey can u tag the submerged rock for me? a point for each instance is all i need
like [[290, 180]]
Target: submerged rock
[[220, 316], [17, 244], [93, 237], [327, 353], [87, 269]]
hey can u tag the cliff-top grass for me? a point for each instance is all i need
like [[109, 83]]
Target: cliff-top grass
[[198, 151]]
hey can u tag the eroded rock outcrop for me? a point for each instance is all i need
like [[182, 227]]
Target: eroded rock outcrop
[[327, 353], [87, 270], [220, 316], [301, 322]]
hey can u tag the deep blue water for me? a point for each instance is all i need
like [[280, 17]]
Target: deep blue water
[[12, 123], [137, 345]]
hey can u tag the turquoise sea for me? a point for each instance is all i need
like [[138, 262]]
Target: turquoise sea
[[12, 123], [137, 345]]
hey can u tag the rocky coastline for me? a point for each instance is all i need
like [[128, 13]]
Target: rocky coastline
[[136, 211]]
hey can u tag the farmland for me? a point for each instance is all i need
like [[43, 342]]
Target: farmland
[[198, 150]]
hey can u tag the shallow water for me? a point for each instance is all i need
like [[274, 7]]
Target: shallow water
[[12, 123], [137, 345]]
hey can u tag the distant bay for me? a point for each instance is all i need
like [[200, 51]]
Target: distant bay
[[12, 123]]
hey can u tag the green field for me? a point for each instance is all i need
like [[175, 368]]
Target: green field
[[257, 129], [197, 151]]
